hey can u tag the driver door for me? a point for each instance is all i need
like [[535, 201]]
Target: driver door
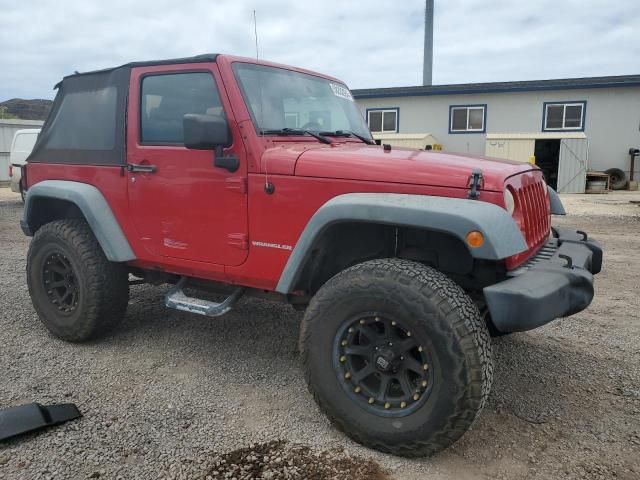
[[182, 205]]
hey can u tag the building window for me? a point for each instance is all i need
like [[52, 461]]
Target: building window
[[467, 118], [563, 116], [383, 120]]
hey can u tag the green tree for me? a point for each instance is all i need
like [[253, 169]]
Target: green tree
[[5, 114]]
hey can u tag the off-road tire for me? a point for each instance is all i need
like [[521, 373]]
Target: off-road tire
[[617, 179], [102, 286], [434, 307]]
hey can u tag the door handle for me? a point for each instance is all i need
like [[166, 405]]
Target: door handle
[[136, 167], [228, 162]]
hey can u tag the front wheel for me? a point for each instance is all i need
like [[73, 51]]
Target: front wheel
[[397, 355], [77, 293]]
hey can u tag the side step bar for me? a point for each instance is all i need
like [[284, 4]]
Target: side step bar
[[177, 299]]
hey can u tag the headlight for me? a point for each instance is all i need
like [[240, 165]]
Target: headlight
[[509, 202]]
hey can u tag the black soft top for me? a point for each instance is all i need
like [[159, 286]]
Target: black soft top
[[86, 124]]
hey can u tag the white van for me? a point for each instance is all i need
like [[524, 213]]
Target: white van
[[23, 142]]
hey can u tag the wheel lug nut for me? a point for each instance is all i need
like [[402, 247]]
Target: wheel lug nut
[[362, 321], [419, 349], [403, 404], [347, 375], [387, 405], [416, 396], [350, 330], [408, 334], [425, 367], [343, 343], [371, 400], [401, 358], [377, 319], [357, 389], [424, 384], [343, 359], [393, 323]]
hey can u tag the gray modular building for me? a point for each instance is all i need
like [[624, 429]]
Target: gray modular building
[[570, 125], [8, 128]]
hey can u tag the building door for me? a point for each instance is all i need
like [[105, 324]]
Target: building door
[[572, 165], [547, 153], [182, 205]]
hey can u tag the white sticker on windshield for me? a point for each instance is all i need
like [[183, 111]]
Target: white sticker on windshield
[[341, 91]]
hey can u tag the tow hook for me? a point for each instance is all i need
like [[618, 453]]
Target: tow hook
[[475, 184], [569, 260]]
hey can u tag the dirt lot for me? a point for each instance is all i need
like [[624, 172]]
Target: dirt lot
[[172, 395]]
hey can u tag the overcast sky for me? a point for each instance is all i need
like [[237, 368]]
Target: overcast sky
[[367, 43]]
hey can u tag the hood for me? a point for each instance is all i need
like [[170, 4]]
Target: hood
[[404, 165]]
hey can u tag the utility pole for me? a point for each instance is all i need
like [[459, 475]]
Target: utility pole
[[427, 68]]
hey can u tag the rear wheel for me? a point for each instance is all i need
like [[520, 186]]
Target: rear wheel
[[77, 293], [397, 356]]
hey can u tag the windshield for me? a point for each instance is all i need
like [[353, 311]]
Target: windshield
[[282, 99]]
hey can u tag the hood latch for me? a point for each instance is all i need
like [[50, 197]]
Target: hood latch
[[475, 184]]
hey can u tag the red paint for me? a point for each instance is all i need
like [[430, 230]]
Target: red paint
[[193, 219]]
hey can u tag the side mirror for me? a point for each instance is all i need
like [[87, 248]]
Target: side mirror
[[205, 132]]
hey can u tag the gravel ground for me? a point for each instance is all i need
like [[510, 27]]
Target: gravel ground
[[172, 395]]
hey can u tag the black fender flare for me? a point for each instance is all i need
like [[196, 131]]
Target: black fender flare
[[557, 208], [455, 216], [93, 206]]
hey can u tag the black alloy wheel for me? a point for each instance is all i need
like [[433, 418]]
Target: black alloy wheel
[[60, 282], [382, 365]]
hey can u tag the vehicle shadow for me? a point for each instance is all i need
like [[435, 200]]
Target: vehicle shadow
[[533, 377]]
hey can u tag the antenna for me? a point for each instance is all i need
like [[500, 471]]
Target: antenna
[[255, 32], [269, 188]]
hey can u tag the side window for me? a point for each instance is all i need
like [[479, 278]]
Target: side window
[[167, 98]]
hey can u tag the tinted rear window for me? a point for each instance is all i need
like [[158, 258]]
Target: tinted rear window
[[86, 121]]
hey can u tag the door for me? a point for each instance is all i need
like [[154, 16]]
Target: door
[[182, 205], [572, 165]]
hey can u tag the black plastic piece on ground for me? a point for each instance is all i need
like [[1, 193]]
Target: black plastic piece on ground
[[27, 418]]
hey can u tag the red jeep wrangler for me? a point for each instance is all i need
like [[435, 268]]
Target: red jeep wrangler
[[244, 177]]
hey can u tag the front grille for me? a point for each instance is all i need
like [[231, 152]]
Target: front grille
[[531, 196], [544, 254]]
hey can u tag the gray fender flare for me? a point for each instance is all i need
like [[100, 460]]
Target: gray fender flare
[[452, 215], [93, 206], [557, 208]]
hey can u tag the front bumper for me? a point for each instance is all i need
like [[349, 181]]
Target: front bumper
[[556, 282]]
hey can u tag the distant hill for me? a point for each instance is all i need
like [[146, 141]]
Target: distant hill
[[37, 109]]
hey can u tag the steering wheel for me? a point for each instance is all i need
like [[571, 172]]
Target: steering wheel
[[312, 126]]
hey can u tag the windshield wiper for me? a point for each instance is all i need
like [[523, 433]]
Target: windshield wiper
[[297, 131], [348, 133]]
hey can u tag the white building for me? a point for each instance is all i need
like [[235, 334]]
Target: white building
[[569, 125]]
